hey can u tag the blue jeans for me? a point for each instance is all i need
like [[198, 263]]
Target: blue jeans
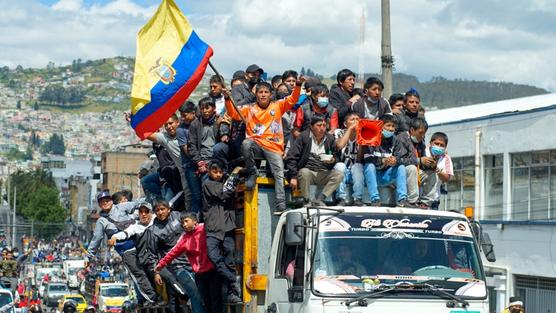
[[151, 185], [352, 175], [194, 184], [187, 281], [376, 178]]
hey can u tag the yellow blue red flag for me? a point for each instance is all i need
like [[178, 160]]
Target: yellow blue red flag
[[170, 62]]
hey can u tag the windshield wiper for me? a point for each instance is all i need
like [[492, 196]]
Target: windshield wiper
[[403, 287], [442, 291]]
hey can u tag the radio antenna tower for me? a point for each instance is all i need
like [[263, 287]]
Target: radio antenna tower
[[361, 68]]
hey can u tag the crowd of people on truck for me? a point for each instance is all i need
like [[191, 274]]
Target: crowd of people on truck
[[306, 134], [294, 129]]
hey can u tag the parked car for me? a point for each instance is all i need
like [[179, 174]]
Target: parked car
[[54, 292], [78, 299]]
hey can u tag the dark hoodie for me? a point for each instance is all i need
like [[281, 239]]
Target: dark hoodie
[[339, 99], [160, 238], [404, 120]]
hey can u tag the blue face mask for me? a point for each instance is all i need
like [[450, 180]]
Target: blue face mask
[[322, 102], [435, 150], [387, 133], [414, 139]]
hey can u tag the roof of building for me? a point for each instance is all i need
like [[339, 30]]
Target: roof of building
[[490, 109]]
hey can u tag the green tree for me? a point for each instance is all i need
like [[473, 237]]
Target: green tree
[[54, 145], [38, 200]]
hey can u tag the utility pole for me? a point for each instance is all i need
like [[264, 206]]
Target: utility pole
[[13, 218], [386, 58], [8, 192]]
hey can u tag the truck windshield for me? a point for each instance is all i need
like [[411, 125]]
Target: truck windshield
[[114, 292], [77, 300], [5, 299], [358, 254], [58, 287]]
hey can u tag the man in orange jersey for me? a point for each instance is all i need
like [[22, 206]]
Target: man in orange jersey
[[264, 134]]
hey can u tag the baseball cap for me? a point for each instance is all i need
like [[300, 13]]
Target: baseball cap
[[146, 205], [104, 194], [254, 68]]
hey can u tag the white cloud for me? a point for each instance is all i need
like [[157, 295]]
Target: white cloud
[[67, 5], [452, 38]]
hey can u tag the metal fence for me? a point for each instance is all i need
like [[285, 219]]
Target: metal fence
[[538, 293]]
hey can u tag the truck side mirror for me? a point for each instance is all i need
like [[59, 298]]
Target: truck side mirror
[[295, 232], [488, 248]]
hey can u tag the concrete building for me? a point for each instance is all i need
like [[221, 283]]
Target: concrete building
[[504, 157], [119, 171]]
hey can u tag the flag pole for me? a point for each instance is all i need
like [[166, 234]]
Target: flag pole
[[224, 85]]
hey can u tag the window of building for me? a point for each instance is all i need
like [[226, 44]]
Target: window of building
[[494, 179], [461, 189], [534, 185]]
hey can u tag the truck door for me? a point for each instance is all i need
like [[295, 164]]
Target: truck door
[[286, 277]]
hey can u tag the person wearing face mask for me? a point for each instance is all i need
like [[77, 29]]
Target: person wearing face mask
[[412, 152], [316, 104], [432, 179], [383, 166], [373, 106], [243, 93]]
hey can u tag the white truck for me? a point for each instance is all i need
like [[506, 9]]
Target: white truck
[[111, 296], [71, 268], [7, 304], [358, 259], [363, 259]]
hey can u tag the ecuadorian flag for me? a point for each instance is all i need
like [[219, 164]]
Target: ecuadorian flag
[[170, 61]]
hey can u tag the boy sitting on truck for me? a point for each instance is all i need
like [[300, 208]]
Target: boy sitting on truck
[[220, 222], [442, 172], [383, 166]]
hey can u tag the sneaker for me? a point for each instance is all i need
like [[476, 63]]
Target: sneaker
[[343, 202], [318, 202], [375, 203], [251, 181], [405, 204], [233, 298], [358, 202], [424, 206]]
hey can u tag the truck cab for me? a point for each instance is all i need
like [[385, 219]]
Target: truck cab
[[334, 259], [7, 304], [71, 268], [111, 296]]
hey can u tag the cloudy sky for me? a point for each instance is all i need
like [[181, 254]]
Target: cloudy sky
[[493, 40]]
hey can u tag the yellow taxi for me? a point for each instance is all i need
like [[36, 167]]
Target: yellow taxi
[[75, 297]]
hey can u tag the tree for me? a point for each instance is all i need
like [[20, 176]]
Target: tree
[[54, 145], [18, 105], [38, 200]]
